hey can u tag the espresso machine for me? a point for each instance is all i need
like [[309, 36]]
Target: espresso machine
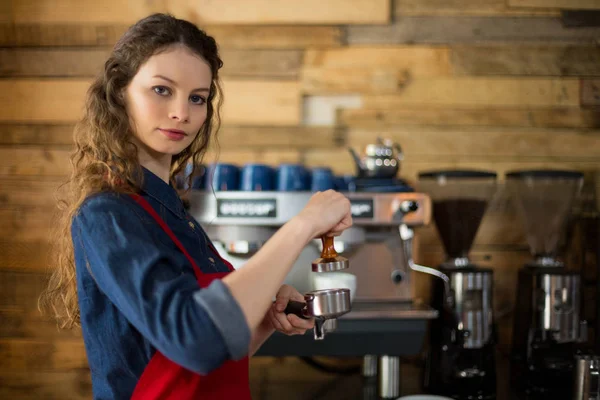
[[461, 357], [548, 331], [384, 322]]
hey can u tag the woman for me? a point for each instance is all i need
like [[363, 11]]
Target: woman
[[162, 314]]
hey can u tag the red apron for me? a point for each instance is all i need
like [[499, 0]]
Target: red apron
[[163, 379]]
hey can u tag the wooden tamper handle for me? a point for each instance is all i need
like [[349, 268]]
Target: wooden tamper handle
[[328, 248]]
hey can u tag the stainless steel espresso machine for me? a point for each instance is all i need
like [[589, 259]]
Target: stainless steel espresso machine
[[548, 330], [384, 322], [461, 358]]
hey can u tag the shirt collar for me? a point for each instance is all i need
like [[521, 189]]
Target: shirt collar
[[163, 192]]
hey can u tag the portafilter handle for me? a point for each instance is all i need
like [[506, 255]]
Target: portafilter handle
[[322, 325], [406, 235], [297, 308]]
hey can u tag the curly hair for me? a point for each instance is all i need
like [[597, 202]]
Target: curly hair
[[105, 158]]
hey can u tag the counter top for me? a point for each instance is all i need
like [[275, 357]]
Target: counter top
[[290, 378]]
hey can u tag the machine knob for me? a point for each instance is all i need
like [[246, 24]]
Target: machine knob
[[397, 276], [409, 206]]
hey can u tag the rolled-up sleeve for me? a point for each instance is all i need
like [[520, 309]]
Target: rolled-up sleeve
[[197, 328]]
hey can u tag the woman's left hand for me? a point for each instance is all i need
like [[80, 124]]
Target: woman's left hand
[[289, 324]]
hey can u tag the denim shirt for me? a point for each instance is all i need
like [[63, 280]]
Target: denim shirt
[[138, 293]]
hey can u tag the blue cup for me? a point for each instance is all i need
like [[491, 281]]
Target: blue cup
[[198, 178], [342, 183], [322, 179], [257, 177], [292, 178], [222, 177]]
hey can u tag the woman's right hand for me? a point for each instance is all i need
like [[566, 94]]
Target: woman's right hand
[[327, 213]]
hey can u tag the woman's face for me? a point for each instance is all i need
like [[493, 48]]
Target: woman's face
[[166, 101]]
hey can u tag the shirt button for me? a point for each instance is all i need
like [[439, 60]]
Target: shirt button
[[191, 224]]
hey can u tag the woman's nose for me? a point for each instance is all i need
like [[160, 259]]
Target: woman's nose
[[180, 111]]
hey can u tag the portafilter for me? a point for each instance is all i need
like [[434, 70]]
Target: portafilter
[[325, 306]]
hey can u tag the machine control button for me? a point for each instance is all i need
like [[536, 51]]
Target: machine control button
[[409, 206], [397, 276]]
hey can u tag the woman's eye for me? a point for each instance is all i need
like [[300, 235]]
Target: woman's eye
[[197, 99], [161, 90]]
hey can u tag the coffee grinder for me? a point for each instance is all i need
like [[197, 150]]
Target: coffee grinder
[[547, 328], [461, 360]]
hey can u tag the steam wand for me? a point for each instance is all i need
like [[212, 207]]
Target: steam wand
[[407, 234]]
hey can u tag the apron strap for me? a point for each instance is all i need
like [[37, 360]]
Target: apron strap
[[144, 203]]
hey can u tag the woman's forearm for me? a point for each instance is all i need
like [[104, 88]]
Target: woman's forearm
[[260, 335], [256, 283]]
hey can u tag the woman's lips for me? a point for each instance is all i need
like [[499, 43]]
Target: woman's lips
[[173, 134]]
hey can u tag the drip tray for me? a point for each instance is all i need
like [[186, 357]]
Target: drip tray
[[389, 310], [395, 329]]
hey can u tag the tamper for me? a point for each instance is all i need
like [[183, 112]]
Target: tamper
[[330, 260]]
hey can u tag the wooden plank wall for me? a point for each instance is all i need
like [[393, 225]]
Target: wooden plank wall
[[493, 84]]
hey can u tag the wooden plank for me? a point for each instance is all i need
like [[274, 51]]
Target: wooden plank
[[361, 68], [580, 18], [19, 191], [288, 137], [280, 103], [566, 4], [83, 11], [34, 161], [484, 142], [28, 323], [51, 62], [37, 135], [24, 256], [231, 36], [282, 12], [453, 30], [87, 62], [20, 290], [19, 311], [590, 93], [421, 60], [229, 136], [549, 117], [40, 355], [267, 64], [26, 224], [494, 8], [55, 101], [61, 101], [481, 92], [24, 35], [57, 385], [275, 37], [538, 59], [5, 11], [352, 80]]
